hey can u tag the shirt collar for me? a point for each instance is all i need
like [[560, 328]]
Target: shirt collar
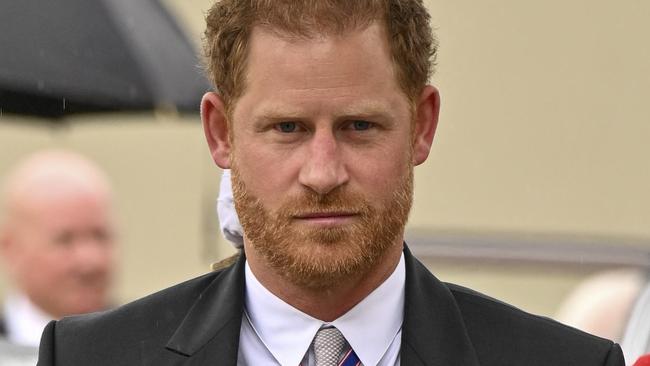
[[370, 326], [24, 320]]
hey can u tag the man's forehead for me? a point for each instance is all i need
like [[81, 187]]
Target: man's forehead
[[355, 66]]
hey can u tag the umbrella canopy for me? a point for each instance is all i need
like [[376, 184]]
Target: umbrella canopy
[[68, 56]]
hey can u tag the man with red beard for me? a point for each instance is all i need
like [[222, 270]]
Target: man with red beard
[[322, 111]]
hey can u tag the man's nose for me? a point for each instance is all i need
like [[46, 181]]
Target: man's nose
[[324, 168], [92, 254]]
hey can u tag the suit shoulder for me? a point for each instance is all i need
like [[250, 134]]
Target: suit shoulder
[[494, 325], [150, 316], [135, 332]]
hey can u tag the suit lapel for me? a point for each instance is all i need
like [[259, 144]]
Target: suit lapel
[[433, 332], [209, 333]]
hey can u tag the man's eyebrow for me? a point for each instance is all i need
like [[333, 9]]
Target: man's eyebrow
[[276, 112], [358, 109]]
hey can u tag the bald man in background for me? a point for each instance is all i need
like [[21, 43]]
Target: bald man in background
[[56, 241]]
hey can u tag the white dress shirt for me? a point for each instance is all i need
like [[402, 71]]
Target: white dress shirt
[[275, 333], [24, 321]]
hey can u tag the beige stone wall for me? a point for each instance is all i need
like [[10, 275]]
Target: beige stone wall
[[544, 128], [544, 122]]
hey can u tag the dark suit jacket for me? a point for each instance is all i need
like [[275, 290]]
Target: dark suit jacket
[[197, 323]]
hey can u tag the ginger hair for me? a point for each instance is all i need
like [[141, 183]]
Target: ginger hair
[[413, 45]]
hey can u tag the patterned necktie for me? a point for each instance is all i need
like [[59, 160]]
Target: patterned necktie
[[331, 349]]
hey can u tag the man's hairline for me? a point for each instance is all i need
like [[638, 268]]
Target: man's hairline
[[230, 104]]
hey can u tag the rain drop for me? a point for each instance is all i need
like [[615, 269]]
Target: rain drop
[[64, 104]]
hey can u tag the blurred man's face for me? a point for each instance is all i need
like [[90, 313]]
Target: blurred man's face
[[322, 154], [61, 251]]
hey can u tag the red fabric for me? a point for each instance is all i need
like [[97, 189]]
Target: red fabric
[[643, 361]]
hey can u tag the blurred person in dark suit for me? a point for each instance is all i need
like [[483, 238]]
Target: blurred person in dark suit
[[56, 240], [323, 110]]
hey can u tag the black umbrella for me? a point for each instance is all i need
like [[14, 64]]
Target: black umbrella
[[68, 56]]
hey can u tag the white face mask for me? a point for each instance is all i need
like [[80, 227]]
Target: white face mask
[[228, 219]]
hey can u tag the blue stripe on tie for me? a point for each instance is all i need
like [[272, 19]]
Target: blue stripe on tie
[[351, 360]]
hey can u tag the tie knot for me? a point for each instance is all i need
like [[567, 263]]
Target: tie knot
[[329, 345]]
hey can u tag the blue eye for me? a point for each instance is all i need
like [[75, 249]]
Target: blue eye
[[361, 125], [287, 126]]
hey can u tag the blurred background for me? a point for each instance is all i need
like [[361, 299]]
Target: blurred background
[[538, 179]]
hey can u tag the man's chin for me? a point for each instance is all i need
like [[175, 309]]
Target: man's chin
[[322, 264], [319, 276]]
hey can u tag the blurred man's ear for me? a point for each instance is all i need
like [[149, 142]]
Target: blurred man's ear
[[4, 242], [7, 249], [4, 239], [426, 121], [215, 126]]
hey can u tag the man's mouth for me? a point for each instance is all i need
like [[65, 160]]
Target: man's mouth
[[326, 218]]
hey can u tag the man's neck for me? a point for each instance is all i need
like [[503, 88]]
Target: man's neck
[[330, 303]]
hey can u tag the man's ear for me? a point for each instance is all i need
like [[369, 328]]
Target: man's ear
[[4, 241], [7, 249], [215, 126], [426, 121]]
